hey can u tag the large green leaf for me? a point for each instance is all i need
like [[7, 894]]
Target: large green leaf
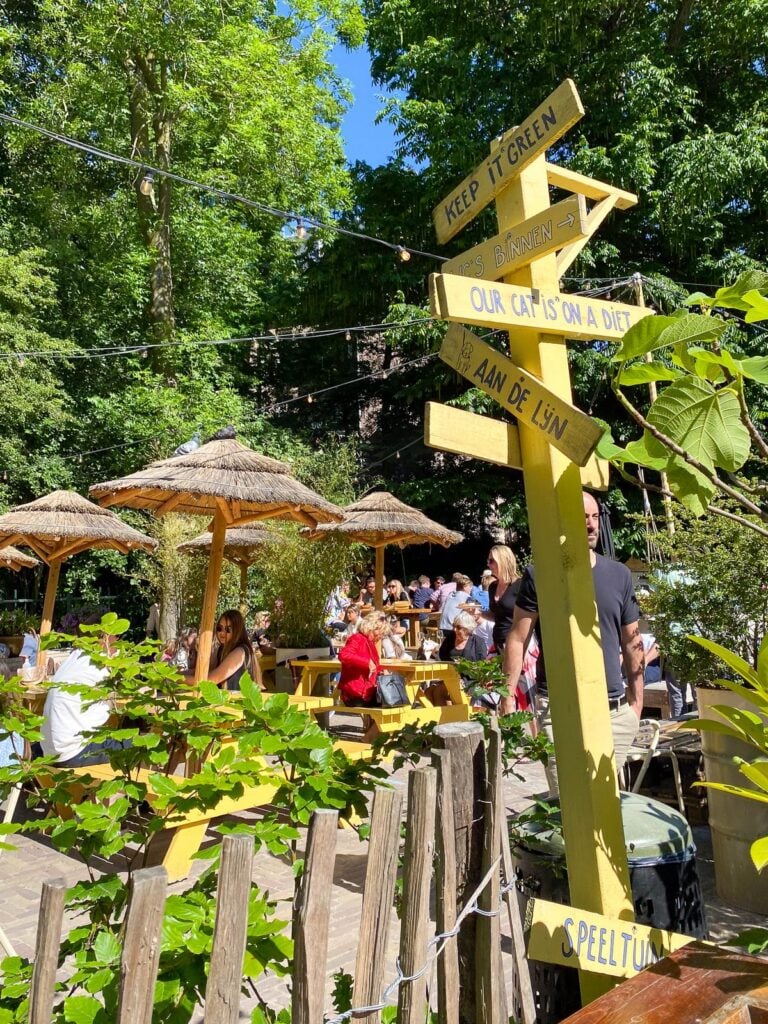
[[642, 337], [711, 364], [644, 373], [703, 420], [732, 296], [724, 787], [654, 332], [756, 772], [758, 851], [691, 488], [758, 307], [755, 367], [646, 451], [733, 661], [762, 662]]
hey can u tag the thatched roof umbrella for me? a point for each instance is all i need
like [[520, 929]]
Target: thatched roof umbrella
[[233, 484], [62, 524], [12, 558], [241, 547], [379, 520]]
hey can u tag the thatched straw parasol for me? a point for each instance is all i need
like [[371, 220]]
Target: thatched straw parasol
[[233, 484], [241, 547], [379, 520], [63, 524], [12, 558]]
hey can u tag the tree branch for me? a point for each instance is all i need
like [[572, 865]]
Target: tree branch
[[705, 470], [754, 433]]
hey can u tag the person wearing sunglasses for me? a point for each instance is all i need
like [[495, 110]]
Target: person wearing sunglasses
[[233, 656]]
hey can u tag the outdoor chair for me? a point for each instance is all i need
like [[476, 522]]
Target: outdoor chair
[[644, 749]]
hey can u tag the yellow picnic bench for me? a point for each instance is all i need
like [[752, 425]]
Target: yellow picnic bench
[[419, 711]]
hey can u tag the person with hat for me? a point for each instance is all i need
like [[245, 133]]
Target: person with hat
[[480, 593]]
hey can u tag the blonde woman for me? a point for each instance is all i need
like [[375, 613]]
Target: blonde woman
[[360, 666], [502, 593]]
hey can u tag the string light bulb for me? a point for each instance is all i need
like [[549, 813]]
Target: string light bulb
[[147, 184], [348, 336], [301, 231], [403, 254], [310, 399]]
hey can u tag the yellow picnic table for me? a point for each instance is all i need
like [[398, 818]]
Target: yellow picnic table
[[419, 711]]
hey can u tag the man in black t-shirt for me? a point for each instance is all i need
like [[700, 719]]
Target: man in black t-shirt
[[618, 613]]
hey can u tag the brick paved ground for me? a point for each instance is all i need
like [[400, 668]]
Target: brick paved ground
[[23, 871]]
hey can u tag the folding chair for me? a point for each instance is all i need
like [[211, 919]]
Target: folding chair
[[645, 748]]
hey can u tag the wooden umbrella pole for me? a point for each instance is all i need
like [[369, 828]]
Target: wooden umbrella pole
[[51, 586], [243, 589], [208, 612], [378, 600]]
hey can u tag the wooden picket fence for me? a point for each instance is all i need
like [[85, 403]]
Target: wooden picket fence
[[455, 819]]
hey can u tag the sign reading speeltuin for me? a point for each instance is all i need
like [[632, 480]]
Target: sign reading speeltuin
[[515, 150]]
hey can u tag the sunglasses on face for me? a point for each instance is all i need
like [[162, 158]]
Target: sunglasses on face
[[223, 629]]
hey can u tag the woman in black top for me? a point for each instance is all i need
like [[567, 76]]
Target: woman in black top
[[502, 593], [234, 655]]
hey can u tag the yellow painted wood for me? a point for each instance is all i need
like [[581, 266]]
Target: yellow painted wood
[[556, 934], [559, 226], [572, 181], [208, 611], [594, 837], [479, 437], [563, 425], [509, 156], [51, 586], [567, 256], [465, 433], [545, 310], [186, 841]]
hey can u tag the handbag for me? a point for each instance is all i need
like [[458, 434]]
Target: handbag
[[390, 688]]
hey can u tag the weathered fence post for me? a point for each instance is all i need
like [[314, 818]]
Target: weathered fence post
[[417, 877], [464, 740], [222, 993], [141, 945], [445, 891], [490, 994], [311, 917], [378, 893], [47, 942]]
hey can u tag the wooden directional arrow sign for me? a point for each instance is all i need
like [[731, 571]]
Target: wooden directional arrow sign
[[466, 301], [560, 225], [515, 150], [566, 428], [480, 437]]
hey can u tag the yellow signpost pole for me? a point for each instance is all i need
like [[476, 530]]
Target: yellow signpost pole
[[596, 858]]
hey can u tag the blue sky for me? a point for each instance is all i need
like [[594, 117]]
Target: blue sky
[[363, 139]]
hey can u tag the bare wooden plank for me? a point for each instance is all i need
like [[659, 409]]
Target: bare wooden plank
[[222, 993], [378, 893], [464, 740], [490, 995], [417, 875], [49, 922], [141, 945], [445, 891], [311, 917]]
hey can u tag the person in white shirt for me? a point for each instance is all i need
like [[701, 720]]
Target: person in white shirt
[[68, 717]]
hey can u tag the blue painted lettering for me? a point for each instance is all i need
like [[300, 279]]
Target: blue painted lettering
[[581, 937], [591, 321], [476, 298], [498, 305], [600, 958], [549, 118], [639, 961], [611, 961], [571, 313], [627, 937], [591, 945]]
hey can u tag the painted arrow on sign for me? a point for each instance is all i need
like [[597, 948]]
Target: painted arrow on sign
[[467, 301], [560, 225], [564, 426]]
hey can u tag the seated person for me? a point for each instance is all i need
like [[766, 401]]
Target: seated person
[[259, 638], [424, 597], [368, 593], [233, 656], [183, 651], [352, 618], [395, 592], [461, 644], [392, 645], [68, 716], [360, 667]]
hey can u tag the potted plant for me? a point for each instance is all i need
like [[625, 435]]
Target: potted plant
[[734, 738]]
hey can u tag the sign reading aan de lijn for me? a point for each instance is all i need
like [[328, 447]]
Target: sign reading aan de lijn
[[566, 428], [561, 224], [467, 301], [449, 429], [514, 151], [557, 934]]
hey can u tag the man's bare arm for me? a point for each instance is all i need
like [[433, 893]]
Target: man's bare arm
[[523, 623], [634, 665]]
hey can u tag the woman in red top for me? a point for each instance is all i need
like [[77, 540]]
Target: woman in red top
[[360, 666]]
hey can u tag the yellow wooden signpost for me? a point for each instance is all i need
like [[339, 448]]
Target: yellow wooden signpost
[[538, 319], [575, 938]]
